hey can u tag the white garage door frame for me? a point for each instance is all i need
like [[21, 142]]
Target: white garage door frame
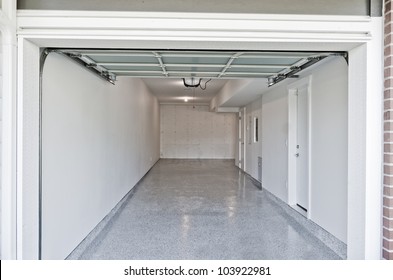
[[361, 36], [8, 128]]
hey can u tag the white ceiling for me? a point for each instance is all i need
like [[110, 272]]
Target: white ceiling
[[249, 93]]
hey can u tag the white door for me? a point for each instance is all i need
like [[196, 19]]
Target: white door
[[302, 167]]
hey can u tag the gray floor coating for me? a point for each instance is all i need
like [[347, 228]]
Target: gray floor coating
[[201, 209]]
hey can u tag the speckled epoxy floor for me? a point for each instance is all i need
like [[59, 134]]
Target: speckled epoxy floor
[[202, 209]]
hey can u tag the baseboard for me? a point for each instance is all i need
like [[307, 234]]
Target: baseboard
[[252, 179], [336, 245]]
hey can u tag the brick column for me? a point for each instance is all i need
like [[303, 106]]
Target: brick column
[[387, 251]]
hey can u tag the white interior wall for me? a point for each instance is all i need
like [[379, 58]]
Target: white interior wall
[[188, 132], [329, 144], [274, 141], [253, 149], [98, 142]]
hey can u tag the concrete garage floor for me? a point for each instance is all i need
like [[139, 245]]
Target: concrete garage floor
[[205, 209]]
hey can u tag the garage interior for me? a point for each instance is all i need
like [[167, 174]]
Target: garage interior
[[112, 135], [225, 127]]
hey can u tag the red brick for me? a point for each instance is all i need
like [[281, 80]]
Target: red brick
[[387, 223], [388, 234], [388, 202], [388, 181], [388, 82], [388, 6], [388, 93], [388, 50], [388, 72], [387, 169], [388, 158], [388, 137], [388, 28], [388, 17], [388, 39], [388, 126], [387, 255], [388, 244], [388, 148], [388, 213], [387, 61], [388, 104], [388, 116], [388, 191]]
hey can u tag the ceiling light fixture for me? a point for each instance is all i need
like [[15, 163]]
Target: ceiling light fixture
[[192, 82], [185, 99]]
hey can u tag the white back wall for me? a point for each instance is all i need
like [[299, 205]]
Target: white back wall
[[98, 142], [188, 132]]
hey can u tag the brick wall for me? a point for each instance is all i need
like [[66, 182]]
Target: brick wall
[[387, 251]]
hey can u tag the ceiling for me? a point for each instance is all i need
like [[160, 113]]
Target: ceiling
[[163, 70]]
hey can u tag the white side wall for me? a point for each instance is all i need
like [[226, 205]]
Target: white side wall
[[274, 141], [98, 141], [329, 145], [188, 132], [253, 149]]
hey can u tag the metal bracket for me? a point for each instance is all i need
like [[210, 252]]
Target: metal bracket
[[92, 67], [309, 61]]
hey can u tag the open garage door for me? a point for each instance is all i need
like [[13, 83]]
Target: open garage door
[[98, 141]]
